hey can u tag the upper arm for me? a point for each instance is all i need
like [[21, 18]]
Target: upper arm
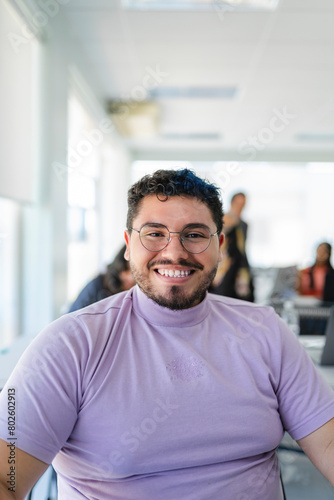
[[26, 470], [319, 447]]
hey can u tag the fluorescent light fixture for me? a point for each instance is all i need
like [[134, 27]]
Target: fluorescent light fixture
[[194, 92], [229, 5], [192, 136], [135, 119], [309, 137]]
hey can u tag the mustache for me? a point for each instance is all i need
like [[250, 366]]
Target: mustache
[[181, 262]]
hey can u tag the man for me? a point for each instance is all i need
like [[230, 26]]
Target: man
[[165, 391], [233, 278]]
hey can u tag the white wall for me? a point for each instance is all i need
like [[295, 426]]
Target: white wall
[[44, 256], [16, 86]]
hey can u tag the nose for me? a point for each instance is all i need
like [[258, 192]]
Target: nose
[[174, 248]]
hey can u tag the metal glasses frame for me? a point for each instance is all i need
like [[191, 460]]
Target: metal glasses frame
[[169, 239]]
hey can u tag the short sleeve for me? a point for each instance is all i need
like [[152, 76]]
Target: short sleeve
[[46, 384], [306, 401]]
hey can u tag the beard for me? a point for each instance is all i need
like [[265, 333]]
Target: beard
[[174, 297]]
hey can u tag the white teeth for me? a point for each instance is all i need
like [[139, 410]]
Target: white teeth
[[173, 273]]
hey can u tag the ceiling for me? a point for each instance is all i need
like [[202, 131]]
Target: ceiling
[[223, 83]]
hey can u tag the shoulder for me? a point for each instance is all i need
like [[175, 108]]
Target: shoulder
[[94, 284], [257, 320], [237, 304], [103, 308], [91, 320], [89, 294], [76, 337]]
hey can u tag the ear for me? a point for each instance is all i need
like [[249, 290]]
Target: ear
[[221, 242], [127, 241]]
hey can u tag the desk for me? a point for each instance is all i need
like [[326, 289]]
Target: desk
[[312, 317]]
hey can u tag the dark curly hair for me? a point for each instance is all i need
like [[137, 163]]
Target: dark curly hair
[[166, 183]]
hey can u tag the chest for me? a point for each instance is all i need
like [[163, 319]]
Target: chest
[[159, 401]]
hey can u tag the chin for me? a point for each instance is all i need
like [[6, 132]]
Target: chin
[[177, 299]]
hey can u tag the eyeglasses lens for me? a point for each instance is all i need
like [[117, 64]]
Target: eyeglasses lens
[[156, 237]]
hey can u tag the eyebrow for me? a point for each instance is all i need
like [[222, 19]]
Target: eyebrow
[[187, 226]]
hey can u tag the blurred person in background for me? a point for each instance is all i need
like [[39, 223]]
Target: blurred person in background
[[233, 278], [117, 278], [318, 280]]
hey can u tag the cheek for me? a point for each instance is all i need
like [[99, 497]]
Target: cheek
[[139, 256]]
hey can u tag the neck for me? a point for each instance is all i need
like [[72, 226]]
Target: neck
[[321, 264]]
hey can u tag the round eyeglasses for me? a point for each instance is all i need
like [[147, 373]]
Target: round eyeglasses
[[195, 238]]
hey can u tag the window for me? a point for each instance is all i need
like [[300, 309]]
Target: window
[[9, 271], [83, 174], [18, 55]]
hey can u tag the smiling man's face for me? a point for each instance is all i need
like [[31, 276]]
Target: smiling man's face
[[173, 277]]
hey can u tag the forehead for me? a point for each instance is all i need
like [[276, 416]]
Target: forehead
[[323, 247], [239, 198], [176, 210]]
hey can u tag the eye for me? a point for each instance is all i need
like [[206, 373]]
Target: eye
[[195, 235], [155, 234]]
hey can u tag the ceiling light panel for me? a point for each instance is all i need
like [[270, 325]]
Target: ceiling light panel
[[193, 92], [192, 136], [308, 137], [230, 5]]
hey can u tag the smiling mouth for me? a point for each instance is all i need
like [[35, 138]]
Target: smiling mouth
[[174, 273]]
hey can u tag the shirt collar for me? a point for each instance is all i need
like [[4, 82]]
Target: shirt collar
[[159, 315]]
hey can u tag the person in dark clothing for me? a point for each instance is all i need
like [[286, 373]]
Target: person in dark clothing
[[318, 279], [234, 277], [117, 278]]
